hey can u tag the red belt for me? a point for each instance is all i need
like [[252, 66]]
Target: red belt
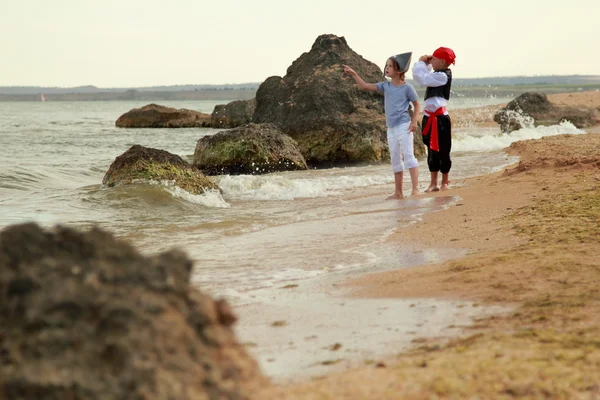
[[433, 127]]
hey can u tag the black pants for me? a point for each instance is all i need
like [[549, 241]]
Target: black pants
[[439, 161]]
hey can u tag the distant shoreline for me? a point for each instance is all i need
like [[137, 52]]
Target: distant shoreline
[[461, 88], [226, 95]]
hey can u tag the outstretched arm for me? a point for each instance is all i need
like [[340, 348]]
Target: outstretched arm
[[359, 81]]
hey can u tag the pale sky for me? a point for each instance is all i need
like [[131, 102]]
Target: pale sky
[[136, 43]]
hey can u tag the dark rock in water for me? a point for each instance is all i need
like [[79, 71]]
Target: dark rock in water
[[534, 109], [156, 116], [333, 121], [249, 149], [85, 316], [234, 114], [141, 164]]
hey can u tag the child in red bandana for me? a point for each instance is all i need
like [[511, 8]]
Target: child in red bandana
[[433, 72]]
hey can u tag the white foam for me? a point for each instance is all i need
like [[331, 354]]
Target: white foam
[[519, 117], [211, 198], [470, 142], [289, 187]]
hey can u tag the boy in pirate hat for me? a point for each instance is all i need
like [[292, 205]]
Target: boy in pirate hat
[[433, 72], [400, 125]]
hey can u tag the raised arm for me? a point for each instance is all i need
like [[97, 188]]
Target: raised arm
[[359, 81], [423, 75]]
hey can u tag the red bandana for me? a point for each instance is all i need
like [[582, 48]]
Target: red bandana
[[446, 54]]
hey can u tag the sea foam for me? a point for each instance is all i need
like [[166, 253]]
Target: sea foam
[[478, 142], [290, 187], [211, 198]]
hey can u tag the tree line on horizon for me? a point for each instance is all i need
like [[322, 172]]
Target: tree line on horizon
[[513, 80]]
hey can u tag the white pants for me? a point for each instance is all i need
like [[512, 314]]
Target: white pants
[[402, 153]]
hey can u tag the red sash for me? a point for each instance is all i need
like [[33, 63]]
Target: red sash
[[433, 127]]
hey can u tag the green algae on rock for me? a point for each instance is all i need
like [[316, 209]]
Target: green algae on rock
[[141, 164]]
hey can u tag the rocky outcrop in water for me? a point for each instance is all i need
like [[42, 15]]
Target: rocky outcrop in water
[[156, 116], [141, 164], [249, 149], [234, 114], [85, 316], [333, 121], [534, 109]]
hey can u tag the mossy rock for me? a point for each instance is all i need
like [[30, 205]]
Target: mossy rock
[[250, 149], [141, 164]]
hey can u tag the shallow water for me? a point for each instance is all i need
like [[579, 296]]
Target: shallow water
[[309, 331]]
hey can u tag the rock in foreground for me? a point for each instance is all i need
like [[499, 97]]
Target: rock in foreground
[[85, 316], [156, 116]]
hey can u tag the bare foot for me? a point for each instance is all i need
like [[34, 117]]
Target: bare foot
[[415, 193], [432, 188], [445, 187], [395, 196]]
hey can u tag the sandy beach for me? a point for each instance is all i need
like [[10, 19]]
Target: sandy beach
[[532, 239]]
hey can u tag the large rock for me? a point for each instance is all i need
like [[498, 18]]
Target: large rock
[[333, 121], [534, 109], [234, 114], [141, 164], [249, 149], [85, 316], [156, 116]]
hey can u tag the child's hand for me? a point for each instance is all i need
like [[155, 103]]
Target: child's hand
[[413, 126], [426, 58], [348, 70]]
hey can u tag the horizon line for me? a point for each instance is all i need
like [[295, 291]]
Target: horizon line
[[258, 83]]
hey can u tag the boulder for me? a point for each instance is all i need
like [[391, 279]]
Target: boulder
[[156, 116], [534, 109], [233, 114], [333, 121], [249, 149], [141, 164], [86, 316]]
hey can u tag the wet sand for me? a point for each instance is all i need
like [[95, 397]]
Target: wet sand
[[531, 236], [311, 329]]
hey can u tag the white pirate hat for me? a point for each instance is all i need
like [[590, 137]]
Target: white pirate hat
[[403, 61]]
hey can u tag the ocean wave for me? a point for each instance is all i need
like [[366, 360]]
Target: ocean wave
[[291, 187], [478, 142], [152, 192], [210, 198]]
